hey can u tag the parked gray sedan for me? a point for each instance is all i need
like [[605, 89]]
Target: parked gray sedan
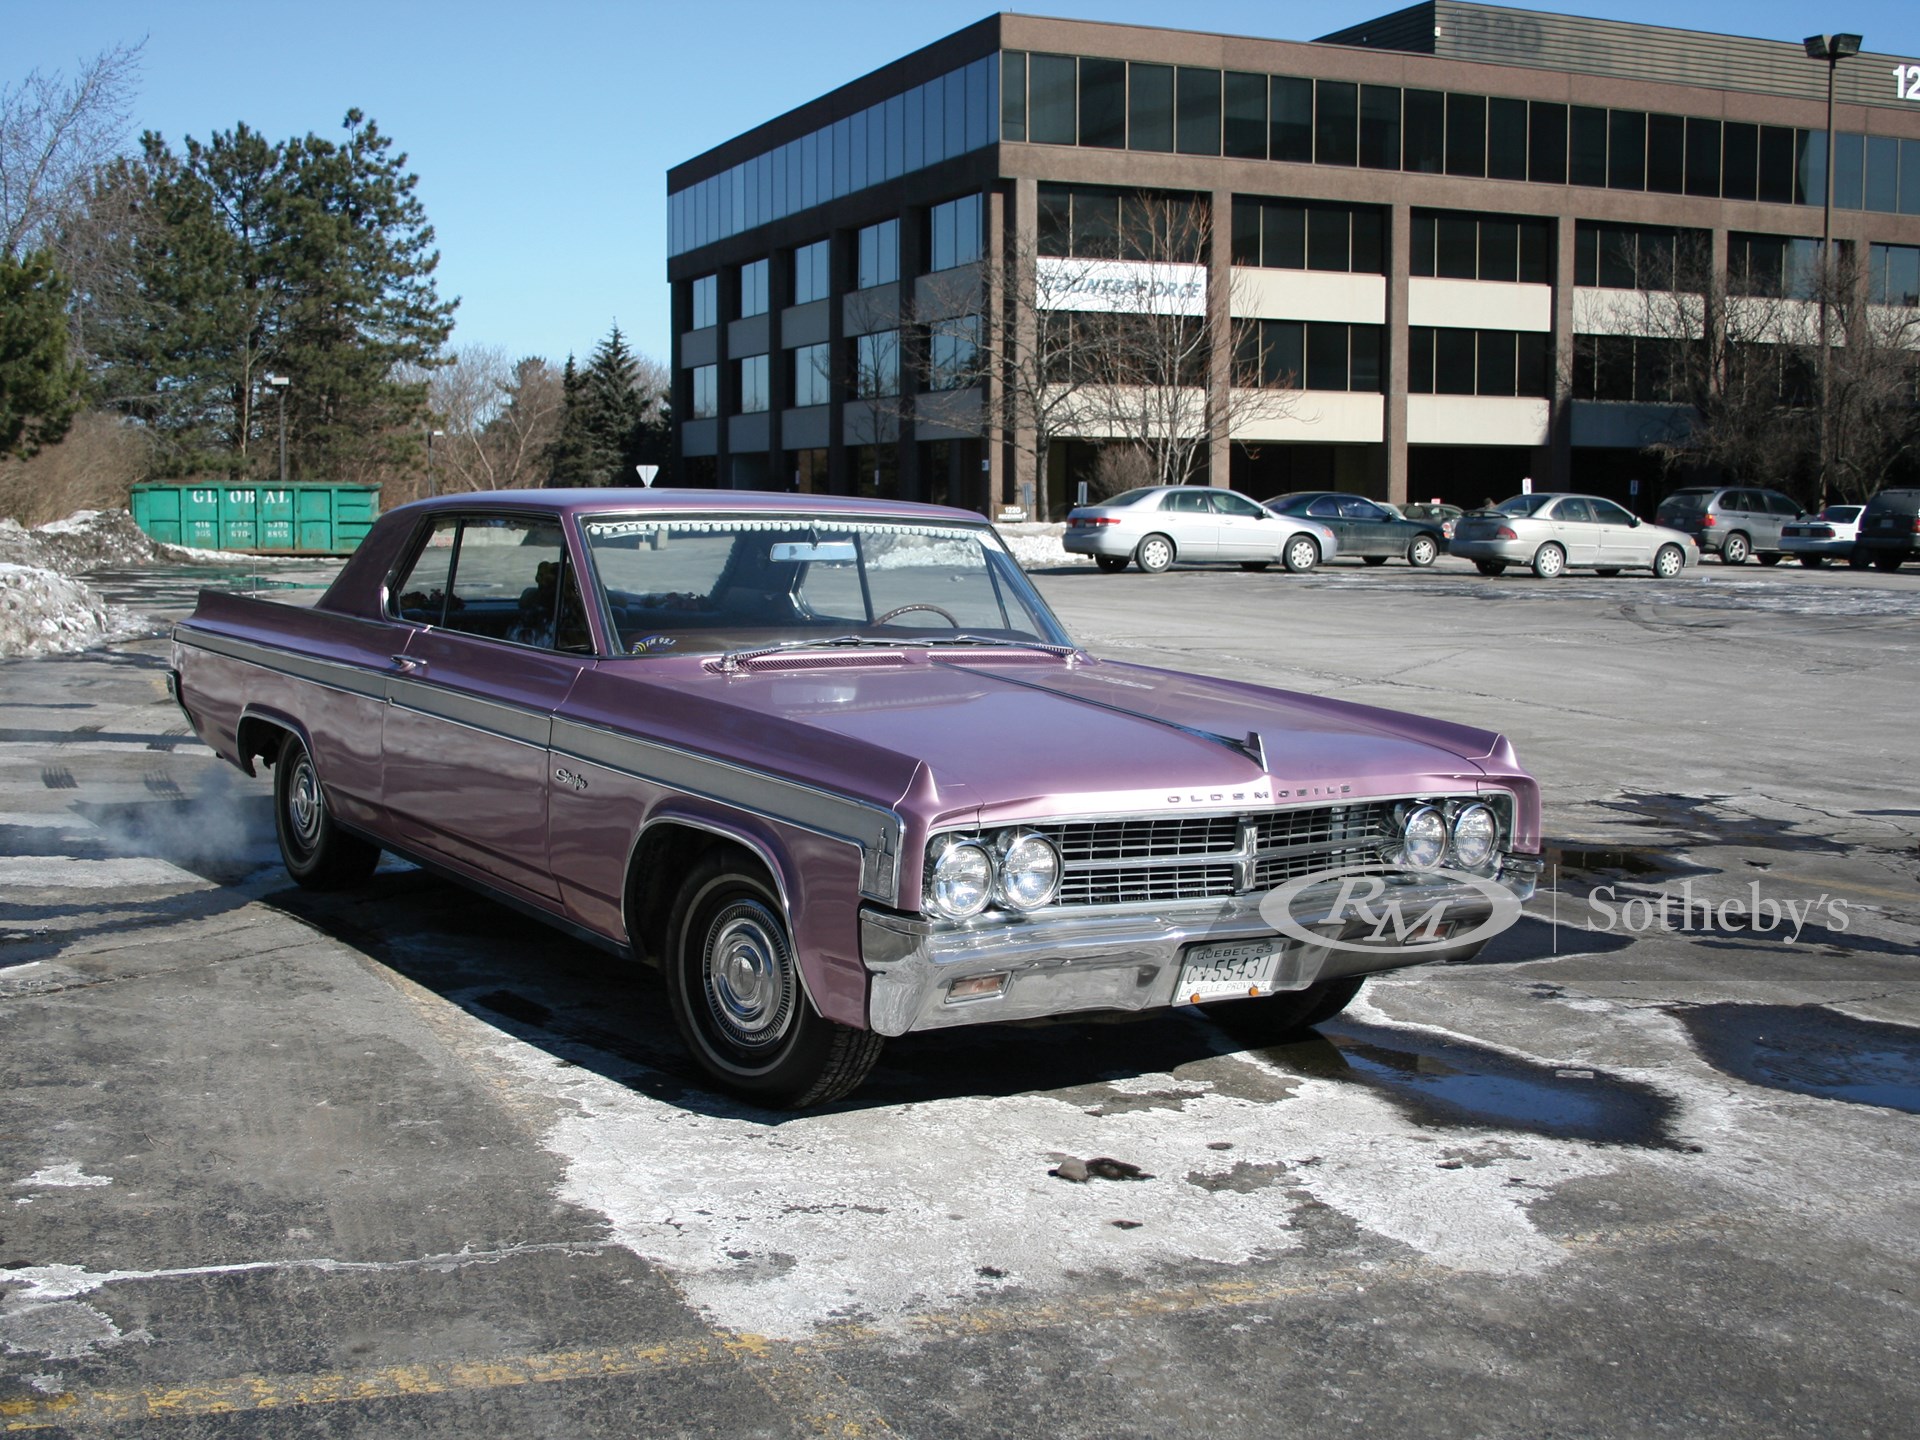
[[1159, 524], [1554, 533]]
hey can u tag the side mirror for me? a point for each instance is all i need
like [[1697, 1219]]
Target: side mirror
[[1634, 521]]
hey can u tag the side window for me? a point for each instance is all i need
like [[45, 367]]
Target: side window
[[1360, 510], [1327, 507], [422, 596], [1737, 500], [1780, 505], [1186, 502], [1608, 513], [509, 582], [1228, 503], [1574, 511]]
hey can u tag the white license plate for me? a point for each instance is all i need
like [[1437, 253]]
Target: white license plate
[[1237, 970]]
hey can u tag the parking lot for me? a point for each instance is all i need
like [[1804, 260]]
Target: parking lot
[[400, 1162]]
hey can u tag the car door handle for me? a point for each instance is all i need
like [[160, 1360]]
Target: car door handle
[[408, 664]]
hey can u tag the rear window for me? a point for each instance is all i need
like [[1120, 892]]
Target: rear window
[[1895, 502], [1522, 504], [1842, 514], [1128, 497]]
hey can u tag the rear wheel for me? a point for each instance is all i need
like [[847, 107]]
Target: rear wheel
[[733, 982], [1858, 559], [1422, 551], [1302, 553], [1771, 558], [1668, 561], [1887, 562], [1112, 564], [1813, 562], [1735, 549], [1491, 567], [1274, 1018], [1154, 554], [318, 853], [1549, 561]]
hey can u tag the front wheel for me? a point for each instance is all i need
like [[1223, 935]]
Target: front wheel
[[1274, 1018], [733, 982], [1302, 554], [1112, 564], [1668, 562], [318, 854], [1735, 549], [1422, 551], [1491, 567], [1154, 554], [1549, 561]]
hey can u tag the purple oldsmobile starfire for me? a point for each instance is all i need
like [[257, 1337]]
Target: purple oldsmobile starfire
[[834, 767]]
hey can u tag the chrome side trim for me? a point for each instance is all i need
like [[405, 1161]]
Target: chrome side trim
[[333, 674], [875, 830], [493, 717]]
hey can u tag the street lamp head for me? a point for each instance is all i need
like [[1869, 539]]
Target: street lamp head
[[1831, 48]]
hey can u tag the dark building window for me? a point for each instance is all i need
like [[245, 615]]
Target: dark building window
[[753, 288], [1093, 222], [706, 391], [1626, 150], [1622, 368], [1587, 146], [1336, 122], [1883, 173], [1546, 143], [1013, 95], [811, 272], [811, 377], [1315, 355], [878, 257], [1740, 161], [876, 365], [750, 376], [1103, 104], [1644, 257], [1380, 127], [1199, 112], [1446, 361], [1666, 154], [1466, 135], [1456, 245], [953, 233], [1424, 132], [1150, 107], [1776, 165], [1244, 112], [1291, 135], [953, 354], [703, 302], [1309, 235], [1703, 157], [1893, 274], [1050, 100], [1784, 266], [1506, 139]]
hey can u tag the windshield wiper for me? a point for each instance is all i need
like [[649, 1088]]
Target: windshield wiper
[[1065, 652], [733, 659]]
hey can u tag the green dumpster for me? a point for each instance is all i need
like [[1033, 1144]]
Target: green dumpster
[[258, 519]]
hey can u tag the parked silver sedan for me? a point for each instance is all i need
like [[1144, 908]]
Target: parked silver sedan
[[1554, 533], [1156, 525], [1833, 534]]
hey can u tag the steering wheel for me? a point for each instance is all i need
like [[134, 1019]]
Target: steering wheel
[[917, 605]]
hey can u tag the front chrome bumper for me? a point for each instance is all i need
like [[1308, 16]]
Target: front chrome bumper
[[1063, 962]]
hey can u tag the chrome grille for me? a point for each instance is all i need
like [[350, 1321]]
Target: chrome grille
[[1146, 839], [1160, 882]]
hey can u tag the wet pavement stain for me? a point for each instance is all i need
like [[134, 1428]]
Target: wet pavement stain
[[1455, 1084], [1810, 1050], [1693, 818]]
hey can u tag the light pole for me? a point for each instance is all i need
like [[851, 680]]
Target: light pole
[[432, 487], [1832, 49], [279, 384]]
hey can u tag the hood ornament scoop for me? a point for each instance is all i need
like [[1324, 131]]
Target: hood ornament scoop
[[1253, 747]]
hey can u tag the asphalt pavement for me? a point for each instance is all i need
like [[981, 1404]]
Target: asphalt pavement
[[399, 1162]]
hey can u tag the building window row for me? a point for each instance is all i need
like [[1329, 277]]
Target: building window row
[[1639, 257], [1446, 361], [1094, 222], [1893, 274], [1133, 105], [1624, 368], [1311, 355], [1783, 266], [947, 116], [1309, 235], [1457, 245]]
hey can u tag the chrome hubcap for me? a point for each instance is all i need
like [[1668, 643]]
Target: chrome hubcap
[[748, 975], [303, 803], [1301, 555]]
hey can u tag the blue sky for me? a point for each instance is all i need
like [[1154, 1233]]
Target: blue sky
[[542, 134]]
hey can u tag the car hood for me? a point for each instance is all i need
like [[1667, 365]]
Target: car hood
[[1012, 736]]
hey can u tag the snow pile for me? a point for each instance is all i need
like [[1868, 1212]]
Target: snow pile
[[44, 613], [1038, 547], [85, 540]]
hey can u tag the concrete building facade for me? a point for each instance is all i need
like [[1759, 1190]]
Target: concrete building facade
[[1446, 218]]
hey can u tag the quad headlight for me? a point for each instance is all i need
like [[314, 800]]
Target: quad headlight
[[1017, 869], [960, 879], [1423, 839], [1475, 835]]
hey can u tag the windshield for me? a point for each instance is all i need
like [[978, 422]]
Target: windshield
[[708, 585], [1522, 504]]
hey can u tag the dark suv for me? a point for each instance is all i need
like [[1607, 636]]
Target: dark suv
[[1733, 521], [1890, 530]]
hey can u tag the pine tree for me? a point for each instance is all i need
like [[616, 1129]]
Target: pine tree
[[569, 460], [40, 385]]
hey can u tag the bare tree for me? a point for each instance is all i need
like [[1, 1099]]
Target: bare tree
[[499, 418], [54, 134], [1128, 344]]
